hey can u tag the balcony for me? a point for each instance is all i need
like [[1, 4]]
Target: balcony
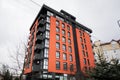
[[36, 68], [38, 47], [40, 30], [41, 17], [41, 23], [39, 38]]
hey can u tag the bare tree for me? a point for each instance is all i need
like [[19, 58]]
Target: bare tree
[[17, 56]]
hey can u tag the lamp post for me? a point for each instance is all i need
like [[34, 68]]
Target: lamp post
[[118, 23]]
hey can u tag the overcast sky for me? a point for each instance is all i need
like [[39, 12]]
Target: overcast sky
[[16, 17]]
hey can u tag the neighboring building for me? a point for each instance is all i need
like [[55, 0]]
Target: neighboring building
[[110, 50], [59, 48]]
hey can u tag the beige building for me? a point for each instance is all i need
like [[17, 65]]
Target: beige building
[[110, 50]]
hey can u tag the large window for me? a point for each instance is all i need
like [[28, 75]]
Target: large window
[[45, 52], [63, 32], [63, 25], [57, 65], [83, 52], [69, 49], [71, 67], [47, 34], [82, 46], [87, 54], [47, 26], [88, 62], [69, 41], [71, 59], [46, 43], [64, 56], [57, 29], [57, 23], [63, 39], [68, 27], [57, 37], [65, 66], [57, 54], [68, 34], [57, 45], [48, 19], [45, 65], [84, 61], [64, 47]]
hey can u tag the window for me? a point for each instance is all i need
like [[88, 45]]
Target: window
[[71, 59], [63, 39], [83, 52], [47, 26], [71, 67], [68, 34], [63, 32], [57, 45], [69, 49], [82, 46], [85, 47], [45, 65], [80, 33], [64, 56], [57, 65], [88, 62], [57, 54], [47, 34], [84, 41], [45, 52], [69, 41], [57, 37], [63, 25], [68, 27], [46, 43], [48, 19], [65, 66], [87, 54], [84, 61], [49, 13], [64, 47], [57, 23], [57, 29], [81, 39]]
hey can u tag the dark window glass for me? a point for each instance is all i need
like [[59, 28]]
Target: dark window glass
[[88, 62], [65, 66], [82, 46], [58, 65], [71, 67], [68, 27], [84, 61], [87, 54], [83, 52]]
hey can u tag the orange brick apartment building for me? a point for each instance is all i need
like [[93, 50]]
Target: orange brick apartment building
[[59, 47]]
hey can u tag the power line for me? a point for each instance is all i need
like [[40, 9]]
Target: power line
[[35, 3]]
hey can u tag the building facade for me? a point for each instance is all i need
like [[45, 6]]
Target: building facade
[[59, 48], [109, 50]]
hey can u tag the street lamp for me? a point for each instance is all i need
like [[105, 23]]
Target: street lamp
[[118, 23]]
